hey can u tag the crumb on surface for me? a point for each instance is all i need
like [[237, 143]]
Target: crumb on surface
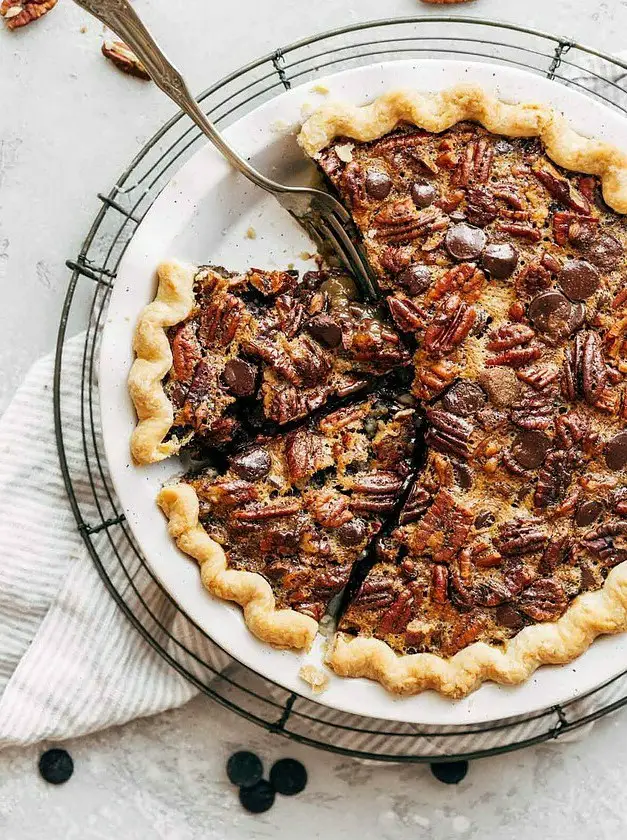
[[345, 151], [305, 255], [83, 30], [251, 233], [314, 677], [322, 89]]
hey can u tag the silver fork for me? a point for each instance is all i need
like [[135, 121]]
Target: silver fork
[[318, 212]]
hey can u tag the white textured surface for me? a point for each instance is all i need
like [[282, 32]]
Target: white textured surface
[[69, 124]]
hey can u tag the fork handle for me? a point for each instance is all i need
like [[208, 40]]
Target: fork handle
[[122, 19]]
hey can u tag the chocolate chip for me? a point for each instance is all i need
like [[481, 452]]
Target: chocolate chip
[[416, 279], [239, 376], [462, 474], [587, 512], [500, 260], [251, 465], [56, 766], [605, 251], [616, 451], [244, 768], [484, 519], [378, 184], [423, 193], [509, 617], [258, 798], [555, 316], [530, 448], [325, 329], [465, 242], [353, 532], [578, 279], [288, 776], [464, 398], [450, 772]]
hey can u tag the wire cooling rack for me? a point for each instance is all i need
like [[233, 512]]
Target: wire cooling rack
[[98, 514]]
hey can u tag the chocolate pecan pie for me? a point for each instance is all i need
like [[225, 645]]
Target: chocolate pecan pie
[[218, 350], [499, 543]]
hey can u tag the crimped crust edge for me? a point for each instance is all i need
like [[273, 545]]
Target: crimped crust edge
[[436, 112], [282, 628]]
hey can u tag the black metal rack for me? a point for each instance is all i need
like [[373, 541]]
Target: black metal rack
[[99, 516]]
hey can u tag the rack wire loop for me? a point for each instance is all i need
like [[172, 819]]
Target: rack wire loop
[[99, 518]]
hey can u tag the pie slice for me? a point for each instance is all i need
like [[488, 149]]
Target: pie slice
[[507, 269], [222, 355], [280, 526]]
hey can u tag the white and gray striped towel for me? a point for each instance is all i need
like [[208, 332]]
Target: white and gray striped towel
[[70, 662]]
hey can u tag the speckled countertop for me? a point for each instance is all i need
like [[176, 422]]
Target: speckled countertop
[[68, 124]]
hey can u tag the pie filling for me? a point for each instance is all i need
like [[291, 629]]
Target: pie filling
[[502, 276]]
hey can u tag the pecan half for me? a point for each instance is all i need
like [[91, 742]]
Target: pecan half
[[395, 619], [534, 278], [561, 190], [375, 592], [124, 59], [544, 600], [291, 314], [508, 336], [377, 483], [476, 163], [464, 278], [534, 410], [415, 505], [554, 476], [303, 451], [448, 433], [538, 376], [514, 358], [520, 537], [407, 315], [450, 326], [260, 511], [271, 283], [329, 508], [584, 373], [221, 319], [186, 352], [608, 542], [443, 530], [18, 13]]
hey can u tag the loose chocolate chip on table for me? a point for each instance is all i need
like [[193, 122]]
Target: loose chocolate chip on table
[[288, 776], [416, 279], [378, 184], [530, 449], [578, 279], [605, 251], [465, 242], [555, 316], [500, 260], [239, 377], [616, 451], [251, 465], [464, 399], [56, 766], [244, 768], [450, 772], [484, 519], [353, 532], [258, 798], [587, 512], [423, 193], [325, 330]]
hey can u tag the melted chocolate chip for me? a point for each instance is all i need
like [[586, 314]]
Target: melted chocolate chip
[[616, 451], [509, 617], [325, 330], [353, 532], [500, 260], [530, 449], [605, 251], [465, 242], [378, 184], [464, 399], [463, 476], [587, 512], [239, 376], [423, 193], [578, 279], [416, 279], [555, 316], [484, 519], [252, 464]]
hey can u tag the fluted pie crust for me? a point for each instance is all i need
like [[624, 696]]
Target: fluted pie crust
[[589, 615]]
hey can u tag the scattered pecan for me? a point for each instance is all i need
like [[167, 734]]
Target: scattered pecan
[[329, 508], [521, 230], [583, 373], [433, 377], [289, 402], [464, 278], [343, 417], [569, 227], [271, 283], [515, 358], [608, 542], [481, 208], [554, 476], [534, 410], [508, 336], [124, 59], [221, 319], [544, 600], [260, 511], [377, 483], [303, 451], [291, 314], [450, 326], [449, 434], [574, 430], [234, 492], [439, 584], [375, 592], [532, 279], [18, 13], [476, 163], [443, 529], [538, 376], [562, 191], [395, 619], [353, 184], [520, 537], [415, 505], [556, 553], [186, 351], [370, 341], [407, 315]]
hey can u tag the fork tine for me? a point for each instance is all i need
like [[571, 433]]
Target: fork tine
[[331, 230]]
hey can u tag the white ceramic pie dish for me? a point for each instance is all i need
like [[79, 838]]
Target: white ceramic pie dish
[[203, 215]]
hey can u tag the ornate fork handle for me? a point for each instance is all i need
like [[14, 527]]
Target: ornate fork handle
[[122, 19]]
